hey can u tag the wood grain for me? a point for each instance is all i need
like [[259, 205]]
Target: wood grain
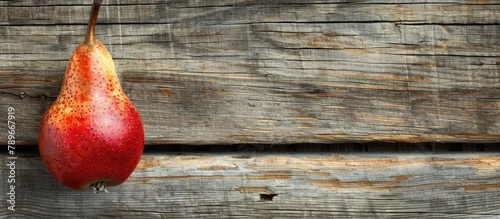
[[279, 185], [282, 71]]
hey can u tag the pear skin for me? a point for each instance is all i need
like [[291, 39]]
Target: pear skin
[[92, 135]]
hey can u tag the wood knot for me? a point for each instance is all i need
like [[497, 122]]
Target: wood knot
[[267, 197]]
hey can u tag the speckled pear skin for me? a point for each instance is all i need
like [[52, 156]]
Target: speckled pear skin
[[92, 132]]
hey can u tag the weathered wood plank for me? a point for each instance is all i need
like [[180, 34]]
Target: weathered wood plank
[[228, 72], [275, 186]]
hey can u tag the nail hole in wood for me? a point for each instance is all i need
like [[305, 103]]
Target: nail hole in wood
[[267, 197]]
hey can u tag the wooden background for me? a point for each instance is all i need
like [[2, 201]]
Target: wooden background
[[270, 72], [236, 185], [281, 76]]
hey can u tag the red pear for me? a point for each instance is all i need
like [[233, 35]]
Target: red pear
[[92, 135]]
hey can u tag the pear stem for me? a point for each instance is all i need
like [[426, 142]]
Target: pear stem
[[90, 37]]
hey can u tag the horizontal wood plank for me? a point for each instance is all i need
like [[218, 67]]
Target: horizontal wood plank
[[279, 185], [282, 71]]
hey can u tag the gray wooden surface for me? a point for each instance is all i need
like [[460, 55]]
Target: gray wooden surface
[[281, 71], [278, 185]]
